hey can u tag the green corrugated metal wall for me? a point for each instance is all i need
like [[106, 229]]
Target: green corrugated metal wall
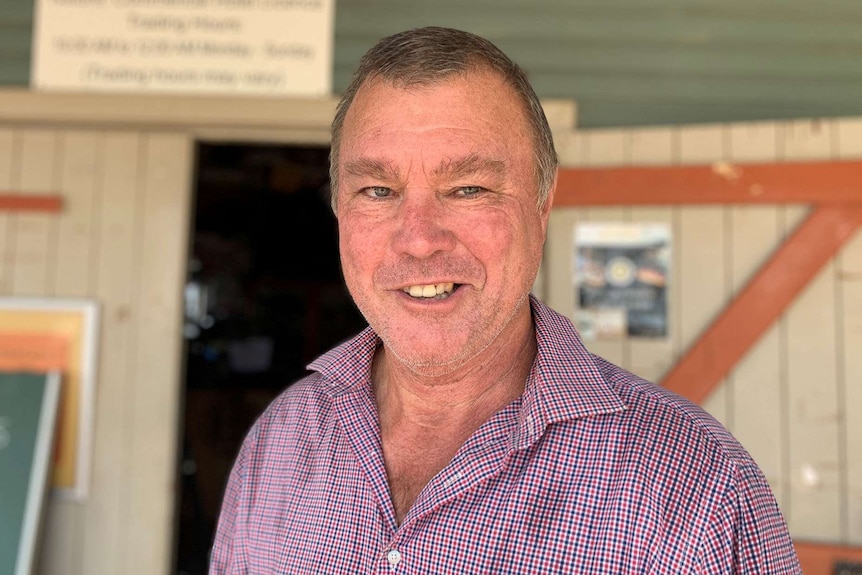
[[16, 23], [626, 62]]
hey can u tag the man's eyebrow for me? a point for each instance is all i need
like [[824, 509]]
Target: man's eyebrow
[[377, 169], [470, 165]]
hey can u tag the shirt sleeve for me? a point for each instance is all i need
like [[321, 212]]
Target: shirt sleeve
[[228, 555], [747, 533]]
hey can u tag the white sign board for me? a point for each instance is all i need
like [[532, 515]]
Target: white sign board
[[184, 46]]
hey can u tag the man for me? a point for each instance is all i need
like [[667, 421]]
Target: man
[[467, 430]]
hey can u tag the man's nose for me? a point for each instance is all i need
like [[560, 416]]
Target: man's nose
[[422, 228]]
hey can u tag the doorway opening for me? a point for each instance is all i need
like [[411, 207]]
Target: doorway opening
[[264, 297]]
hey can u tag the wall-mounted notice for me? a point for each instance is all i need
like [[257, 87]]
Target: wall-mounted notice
[[42, 335], [622, 272], [267, 47]]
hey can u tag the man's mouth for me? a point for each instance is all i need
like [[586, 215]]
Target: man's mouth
[[429, 291]]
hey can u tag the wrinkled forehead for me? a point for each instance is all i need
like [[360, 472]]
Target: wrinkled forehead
[[480, 94]]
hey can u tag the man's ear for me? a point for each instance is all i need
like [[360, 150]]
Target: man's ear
[[545, 211]]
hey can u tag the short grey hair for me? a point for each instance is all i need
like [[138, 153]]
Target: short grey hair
[[427, 56]]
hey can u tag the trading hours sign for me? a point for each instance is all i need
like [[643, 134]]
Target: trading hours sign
[[184, 46]]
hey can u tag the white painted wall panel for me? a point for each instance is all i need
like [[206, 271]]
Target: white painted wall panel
[[754, 143], [808, 140], [125, 216], [116, 221], [30, 257], [7, 161], [757, 379], [811, 371], [152, 430], [703, 258], [849, 278], [700, 144], [34, 247], [79, 165], [74, 163], [652, 146], [849, 292], [651, 358], [607, 147], [815, 499], [848, 139]]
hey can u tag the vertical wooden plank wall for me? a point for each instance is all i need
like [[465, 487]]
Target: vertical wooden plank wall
[[153, 424], [121, 239], [703, 259], [648, 357], [607, 148], [758, 380], [811, 367], [116, 250], [7, 161], [849, 294], [557, 267], [792, 400]]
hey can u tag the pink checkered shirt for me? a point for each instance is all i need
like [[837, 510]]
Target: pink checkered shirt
[[592, 470]]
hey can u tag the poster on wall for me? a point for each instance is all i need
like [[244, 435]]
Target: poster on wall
[[240, 47], [41, 335], [622, 271]]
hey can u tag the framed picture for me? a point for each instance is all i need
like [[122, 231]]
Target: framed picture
[[41, 335], [28, 413], [622, 273]]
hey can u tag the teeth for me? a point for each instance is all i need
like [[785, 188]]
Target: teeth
[[439, 291]]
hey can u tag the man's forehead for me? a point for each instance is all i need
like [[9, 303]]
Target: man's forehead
[[450, 166], [464, 130], [382, 105]]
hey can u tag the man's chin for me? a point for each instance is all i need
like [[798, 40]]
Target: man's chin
[[428, 363]]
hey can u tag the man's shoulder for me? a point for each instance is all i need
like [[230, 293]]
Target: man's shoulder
[[590, 384], [300, 410], [304, 416], [672, 423]]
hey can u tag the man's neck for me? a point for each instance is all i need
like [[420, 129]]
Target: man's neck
[[487, 382], [426, 418]]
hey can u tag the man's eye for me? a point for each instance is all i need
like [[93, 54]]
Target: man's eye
[[377, 192], [469, 190]]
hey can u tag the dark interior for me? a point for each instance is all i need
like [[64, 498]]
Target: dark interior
[[264, 297]]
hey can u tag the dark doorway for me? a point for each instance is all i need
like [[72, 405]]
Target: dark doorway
[[264, 297]]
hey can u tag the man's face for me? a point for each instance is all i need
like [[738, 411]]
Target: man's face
[[437, 194]]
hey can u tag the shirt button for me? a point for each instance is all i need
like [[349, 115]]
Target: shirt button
[[394, 557]]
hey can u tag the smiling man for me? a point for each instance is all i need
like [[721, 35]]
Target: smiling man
[[468, 430]]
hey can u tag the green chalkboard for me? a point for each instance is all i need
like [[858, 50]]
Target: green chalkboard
[[28, 411]]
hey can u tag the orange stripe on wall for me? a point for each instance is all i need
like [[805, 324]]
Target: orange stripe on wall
[[820, 559], [24, 203], [719, 183]]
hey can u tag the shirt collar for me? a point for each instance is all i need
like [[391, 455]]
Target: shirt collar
[[564, 382], [348, 366]]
